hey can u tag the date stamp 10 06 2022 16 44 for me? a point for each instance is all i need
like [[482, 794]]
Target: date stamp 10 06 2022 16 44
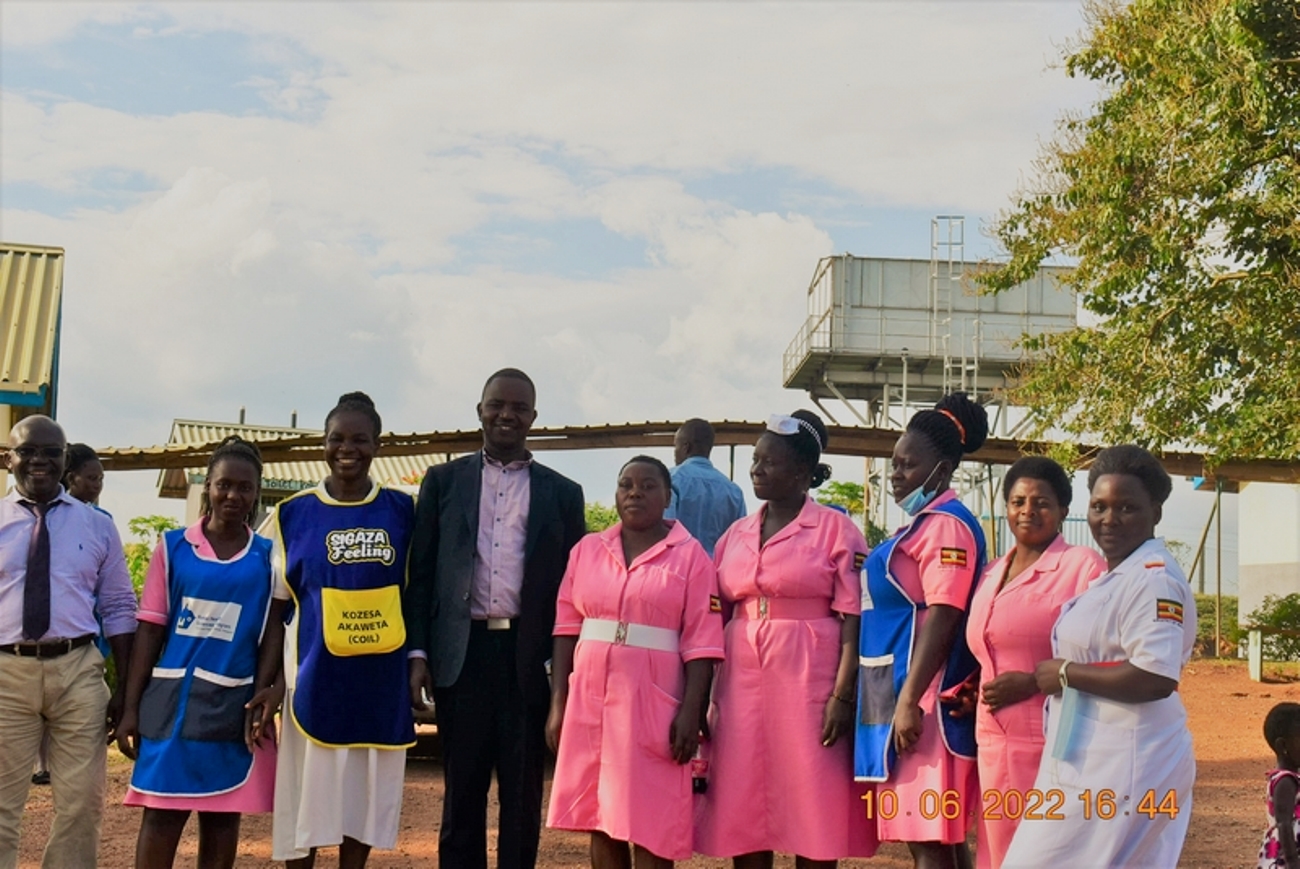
[[1101, 805]]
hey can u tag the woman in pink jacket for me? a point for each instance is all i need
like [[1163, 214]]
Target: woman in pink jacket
[[1009, 632]]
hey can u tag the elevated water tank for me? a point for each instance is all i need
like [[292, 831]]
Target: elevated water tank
[[876, 324]]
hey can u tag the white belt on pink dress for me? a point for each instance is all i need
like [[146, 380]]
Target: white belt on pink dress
[[630, 634]]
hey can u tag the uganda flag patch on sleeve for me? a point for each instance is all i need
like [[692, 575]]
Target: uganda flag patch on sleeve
[[1169, 610], [952, 557], [715, 604], [859, 559]]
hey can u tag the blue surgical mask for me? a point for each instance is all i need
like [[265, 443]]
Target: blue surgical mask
[[918, 499]]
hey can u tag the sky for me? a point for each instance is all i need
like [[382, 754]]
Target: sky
[[269, 204]]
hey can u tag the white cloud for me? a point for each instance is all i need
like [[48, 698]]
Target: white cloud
[[287, 257], [902, 103], [33, 24]]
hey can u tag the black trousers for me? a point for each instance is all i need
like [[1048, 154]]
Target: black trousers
[[485, 724]]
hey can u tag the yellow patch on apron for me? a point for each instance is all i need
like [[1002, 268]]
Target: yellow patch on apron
[[366, 621]]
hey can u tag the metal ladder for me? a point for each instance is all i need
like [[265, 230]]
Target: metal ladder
[[947, 268]]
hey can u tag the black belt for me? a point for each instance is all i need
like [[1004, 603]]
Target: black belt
[[47, 649]]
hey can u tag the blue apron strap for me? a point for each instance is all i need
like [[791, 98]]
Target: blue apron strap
[[885, 650], [959, 733]]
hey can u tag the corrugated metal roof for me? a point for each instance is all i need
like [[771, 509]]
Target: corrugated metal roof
[[277, 476], [31, 290], [429, 448]]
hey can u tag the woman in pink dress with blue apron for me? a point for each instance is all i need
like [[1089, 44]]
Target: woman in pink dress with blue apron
[[918, 590], [202, 619], [781, 772], [637, 629]]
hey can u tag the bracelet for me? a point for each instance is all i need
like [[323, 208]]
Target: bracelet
[[1065, 683], [846, 700]]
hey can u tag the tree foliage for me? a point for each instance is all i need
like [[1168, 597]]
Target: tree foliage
[[1177, 197], [851, 497], [1230, 633], [600, 517], [1282, 614], [148, 530]]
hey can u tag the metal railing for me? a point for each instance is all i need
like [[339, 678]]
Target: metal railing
[[1075, 530], [817, 333]]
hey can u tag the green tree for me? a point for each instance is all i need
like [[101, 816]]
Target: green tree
[[852, 498], [1280, 614], [1176, 196], [600, 517], [1230, 634], [148, 530]]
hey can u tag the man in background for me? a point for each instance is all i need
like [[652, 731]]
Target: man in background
[[704, 500]]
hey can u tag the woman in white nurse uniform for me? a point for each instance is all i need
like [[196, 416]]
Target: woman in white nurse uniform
[[1117, 770]]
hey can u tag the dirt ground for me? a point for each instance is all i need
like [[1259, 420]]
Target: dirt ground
[[1226, 711]]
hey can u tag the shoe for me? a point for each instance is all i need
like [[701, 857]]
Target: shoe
[[41, 778]]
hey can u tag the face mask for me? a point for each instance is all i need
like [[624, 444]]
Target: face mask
[[917, 500]]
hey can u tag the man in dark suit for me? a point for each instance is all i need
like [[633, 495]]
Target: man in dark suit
[[492, 537]]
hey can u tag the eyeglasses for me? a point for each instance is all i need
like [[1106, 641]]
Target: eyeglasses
[[29, 453]]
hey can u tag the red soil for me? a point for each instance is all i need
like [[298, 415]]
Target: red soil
[[1226, 712]]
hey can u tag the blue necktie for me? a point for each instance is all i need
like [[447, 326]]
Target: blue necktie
[[36, 588]]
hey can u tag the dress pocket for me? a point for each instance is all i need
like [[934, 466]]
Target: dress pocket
[[1101, 755], [660, 590], [159, 702], [658, 709], [876, 690], [1027, 615], [215, 712]]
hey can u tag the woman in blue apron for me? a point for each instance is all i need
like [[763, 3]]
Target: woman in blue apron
[[339, 552], [202, 617], [918, 589], [1118, 758]]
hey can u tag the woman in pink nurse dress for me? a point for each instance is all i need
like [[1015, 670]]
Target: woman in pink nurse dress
[[637, 629]]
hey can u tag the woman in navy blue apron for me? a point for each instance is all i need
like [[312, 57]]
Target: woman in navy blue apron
[[202, 617], [913, 649], [339, 552]]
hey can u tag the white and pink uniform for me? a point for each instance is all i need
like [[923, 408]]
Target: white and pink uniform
[[615, 772]]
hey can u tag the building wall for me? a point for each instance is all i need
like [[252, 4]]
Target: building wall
[[193, 504], [1268, 548]]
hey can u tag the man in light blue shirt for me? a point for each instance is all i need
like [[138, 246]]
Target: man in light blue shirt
[[704, 500], [61, 564]]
